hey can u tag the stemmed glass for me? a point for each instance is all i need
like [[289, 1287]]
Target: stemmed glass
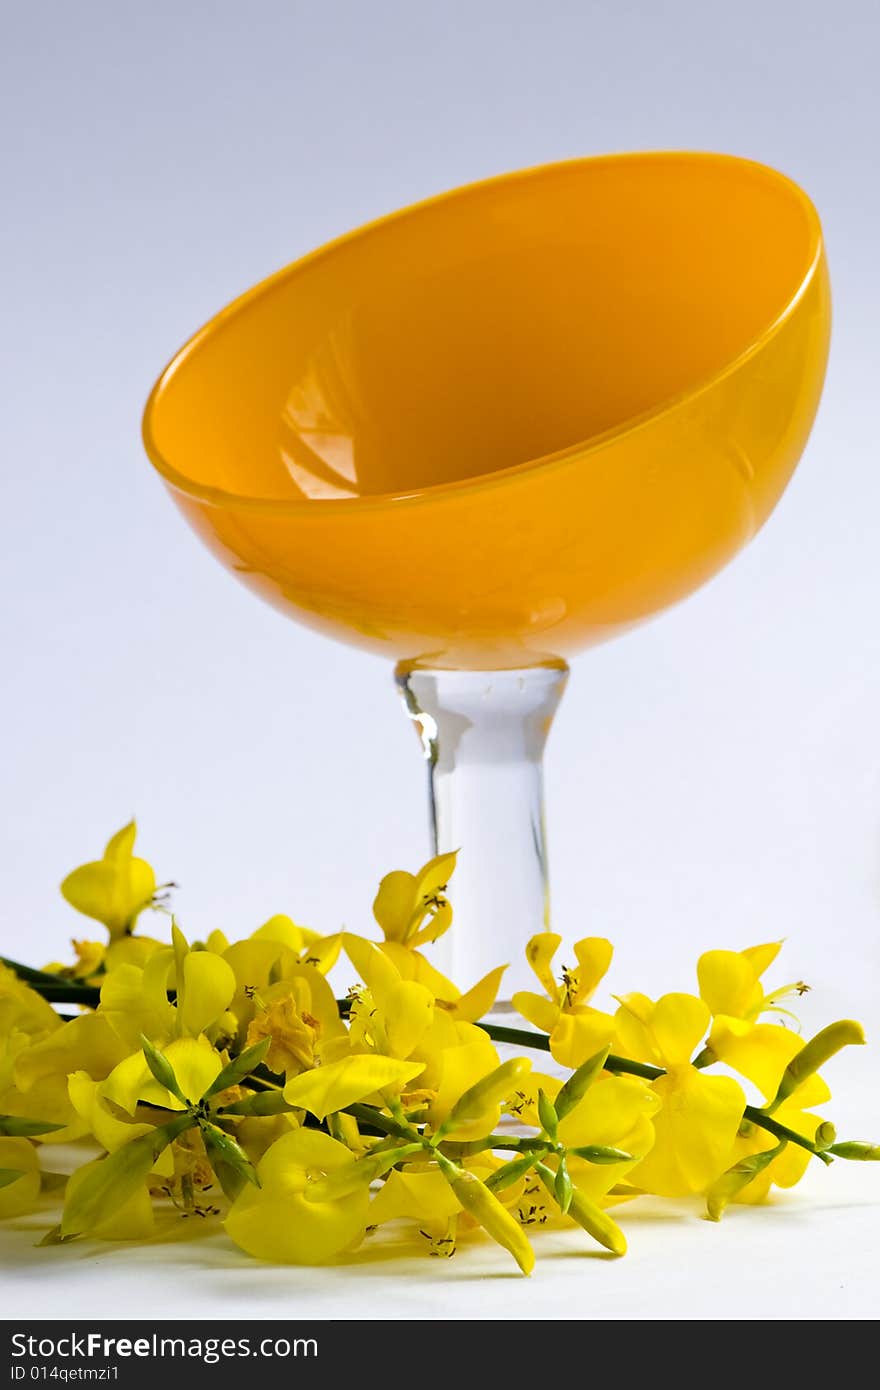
[[495, 428]]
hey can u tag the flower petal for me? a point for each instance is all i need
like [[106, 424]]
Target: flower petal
[[695, 1130], [374, 967], [480, 997], [594, 957], [678, 1024], [412, 965], [409, 1010], [87, 1043], [333, 1087], [208, 987], [611, 1108], [394, 903], [425, 1198], [540, 1012], [727, 981], [196, 1064], [540, 951], [579, 1035], [276, 1223], [762, 957]]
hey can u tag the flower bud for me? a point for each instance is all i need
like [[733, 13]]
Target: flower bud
[[511, 1172], [601, 1153], [859, 1149], [547, 1114], [814, 1055], [484, 1207], [562, 1188], [579, 1083], [737, 1179], [587, 1214], [490, 1091], [825, 1135], [343, 1181]]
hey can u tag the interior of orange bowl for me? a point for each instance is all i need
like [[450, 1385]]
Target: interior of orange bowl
[[485, 329]]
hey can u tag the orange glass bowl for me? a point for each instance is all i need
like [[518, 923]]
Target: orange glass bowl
[[513, 420]]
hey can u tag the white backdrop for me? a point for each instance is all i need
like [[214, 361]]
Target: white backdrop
[[714, 779]]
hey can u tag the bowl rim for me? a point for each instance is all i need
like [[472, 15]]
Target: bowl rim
[[223, 498]]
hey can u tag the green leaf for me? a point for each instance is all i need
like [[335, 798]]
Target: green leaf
[[240, 1067], [600, 1153], [112, 1181], [23, 1128], [579, 1083], [108, 1186], [230, 1163], [162, 1069], [260, 1103], [10, 1175]]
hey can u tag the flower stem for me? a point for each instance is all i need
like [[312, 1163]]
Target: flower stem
[[524, 1037], [791, 1136], [623, 1066]]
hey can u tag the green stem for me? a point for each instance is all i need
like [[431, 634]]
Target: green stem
[[523, 1037], [496, 1141], [368, 1115], [69, 993], [791, 1136], [623, 1066]]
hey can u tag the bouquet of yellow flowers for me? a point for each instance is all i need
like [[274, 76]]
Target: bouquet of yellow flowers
[[225, 1079]]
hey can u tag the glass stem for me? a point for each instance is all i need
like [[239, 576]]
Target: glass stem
[[483, 735]]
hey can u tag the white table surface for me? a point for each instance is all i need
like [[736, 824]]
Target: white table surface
[[813, 1253]]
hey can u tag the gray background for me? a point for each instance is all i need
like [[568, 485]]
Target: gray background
[[714, 778]]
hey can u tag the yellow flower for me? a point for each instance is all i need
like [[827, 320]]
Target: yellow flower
[[730, 985], [292, 1034], [195, 1062], [700, 1115], [413, 909], [577, 1031], [113, 890], [276, 1222], [393, 1014], [414, 968], [617, 1112], [134, 999]]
